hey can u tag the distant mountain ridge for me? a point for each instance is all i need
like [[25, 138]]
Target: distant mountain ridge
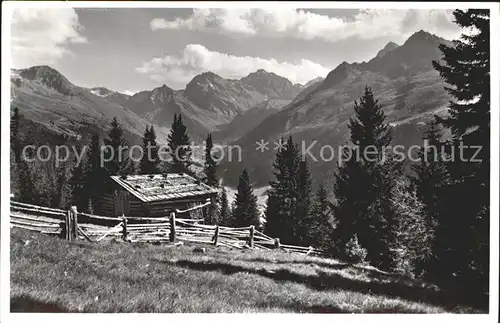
[[403, 80], [45, 96], [210, 102]]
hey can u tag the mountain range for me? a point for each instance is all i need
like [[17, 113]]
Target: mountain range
[[261, 105], [402, 79]]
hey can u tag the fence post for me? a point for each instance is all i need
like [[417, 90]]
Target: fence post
[[74, 226], [252, 232], [124, 225], [216, 235], [67, 225], [62, 225], [277, 244], [172, 227]]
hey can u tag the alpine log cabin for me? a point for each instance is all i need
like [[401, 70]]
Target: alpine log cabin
[[155, 195]]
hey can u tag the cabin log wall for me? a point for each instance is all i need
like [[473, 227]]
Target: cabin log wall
[[162, 208]]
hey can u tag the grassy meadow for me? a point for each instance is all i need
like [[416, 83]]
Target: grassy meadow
[[49, 274]]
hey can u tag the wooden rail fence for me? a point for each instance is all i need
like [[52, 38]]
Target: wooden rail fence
[[73, 225]]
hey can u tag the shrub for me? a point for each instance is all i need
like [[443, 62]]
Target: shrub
[[354, 251]]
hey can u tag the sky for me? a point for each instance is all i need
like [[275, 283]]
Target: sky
[[132, 49]]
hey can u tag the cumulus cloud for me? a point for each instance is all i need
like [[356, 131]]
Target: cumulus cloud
[[40, 35], [289, 22], [177, 70]]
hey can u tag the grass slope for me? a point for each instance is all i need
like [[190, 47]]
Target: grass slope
[[50, 275]]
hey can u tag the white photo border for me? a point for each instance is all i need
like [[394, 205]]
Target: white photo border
[[6, 316]]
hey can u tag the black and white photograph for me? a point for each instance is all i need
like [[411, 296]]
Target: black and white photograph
[[250, 157]]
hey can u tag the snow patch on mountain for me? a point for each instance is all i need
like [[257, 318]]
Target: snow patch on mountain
[[98, 93]]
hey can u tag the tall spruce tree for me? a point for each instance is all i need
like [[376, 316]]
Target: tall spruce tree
[[303, 220], [322, 222], [466, 69], [42, 183], [428, 182], [96, 176], [145, 162], [413, 232], [14, 175], [117, 153], [25, 177], [149, 163], [225, 217], [363, 184], [210, 167], [179, 147], [79, 197], [14, 134], [281, 211], [62, 189], [27, 192], [20, 175], [430, 173], [245, 210]]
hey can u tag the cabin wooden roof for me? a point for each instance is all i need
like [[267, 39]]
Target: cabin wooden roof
[[164, 187]]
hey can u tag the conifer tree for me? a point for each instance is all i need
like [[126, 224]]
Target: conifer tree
[[79, 197], [144, 163], [413, 232], [363, 184], [245, 210], [14, 134], [18, 173], [14, 175], [210, 167], [281, 211], [322, 224], [96, 176], [43, 180], [179, 147], [27, 192], [302, 212], [119, 163], [466, 69], [430, 172], [155, 160], [149, 162], [62, 189], [225, 217]]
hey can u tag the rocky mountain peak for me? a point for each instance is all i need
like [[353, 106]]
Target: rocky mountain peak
[[207, 76], [314, 81], [387, 48], [204, 81], [423, 36], [339, 74], [49, 77], [413, 57], [260, 72], [271, 84], [162, 93], [40, 71], [263, 74]]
